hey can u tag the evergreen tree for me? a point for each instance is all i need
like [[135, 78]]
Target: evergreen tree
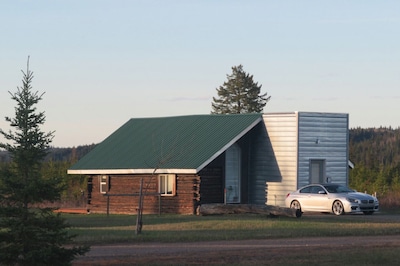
[[30, 234], [239, 94]]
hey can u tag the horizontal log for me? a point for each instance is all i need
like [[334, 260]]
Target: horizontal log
[[220, 208]]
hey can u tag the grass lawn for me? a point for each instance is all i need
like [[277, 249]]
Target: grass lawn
[[102, 229], [96, 229]]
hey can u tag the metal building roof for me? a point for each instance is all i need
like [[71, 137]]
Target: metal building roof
[[181, 144]]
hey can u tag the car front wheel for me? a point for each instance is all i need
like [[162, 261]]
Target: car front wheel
[[337, 208]]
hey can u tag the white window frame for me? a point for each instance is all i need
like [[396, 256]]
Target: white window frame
[[167, 184], [103, 181]]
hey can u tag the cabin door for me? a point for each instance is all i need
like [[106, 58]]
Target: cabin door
[[317, 171], [232, 174]]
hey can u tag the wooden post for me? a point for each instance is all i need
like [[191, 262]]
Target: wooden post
[[159, 204], [108, 205], [225, 196], [139, 209]]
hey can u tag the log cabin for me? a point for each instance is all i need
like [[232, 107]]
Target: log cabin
[[178, 163]]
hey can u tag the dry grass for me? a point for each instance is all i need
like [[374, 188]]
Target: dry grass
[[100, 229], [370, 255], [390, 201]]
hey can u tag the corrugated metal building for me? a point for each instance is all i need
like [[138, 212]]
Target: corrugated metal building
[[299, 148]]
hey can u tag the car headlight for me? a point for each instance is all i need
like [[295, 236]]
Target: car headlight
[[353, 200]]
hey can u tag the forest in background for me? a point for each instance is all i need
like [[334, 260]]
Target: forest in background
[[375, 153]]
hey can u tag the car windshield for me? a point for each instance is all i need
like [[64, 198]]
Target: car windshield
[[337, 189]]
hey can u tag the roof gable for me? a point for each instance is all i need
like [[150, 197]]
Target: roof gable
[[168, 144]]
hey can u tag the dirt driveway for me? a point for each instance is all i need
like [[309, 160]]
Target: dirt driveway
[[195, 253], [243, 252]]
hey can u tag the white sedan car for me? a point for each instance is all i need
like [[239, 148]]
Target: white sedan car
[[331, 198]]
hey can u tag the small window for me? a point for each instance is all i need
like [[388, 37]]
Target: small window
[[166, 185], [103, 184]]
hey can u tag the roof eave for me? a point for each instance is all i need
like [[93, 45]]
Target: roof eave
[[218, 153], [129, 171]]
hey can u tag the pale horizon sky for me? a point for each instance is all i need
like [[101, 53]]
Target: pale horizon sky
[[101, 63]]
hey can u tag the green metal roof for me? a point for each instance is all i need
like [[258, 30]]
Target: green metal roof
[[168, 144]]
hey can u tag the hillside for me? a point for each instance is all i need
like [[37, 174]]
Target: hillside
[[375, 147]]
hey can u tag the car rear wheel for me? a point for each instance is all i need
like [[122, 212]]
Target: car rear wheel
[[295, 205], [337, 208]]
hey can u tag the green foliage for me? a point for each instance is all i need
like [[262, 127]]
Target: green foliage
[[30, 235], [36, 239], [73, 186], [240, 94], [376, 154], [68, 154], [375, 147]]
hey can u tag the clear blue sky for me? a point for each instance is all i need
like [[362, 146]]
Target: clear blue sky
[[101, 63]]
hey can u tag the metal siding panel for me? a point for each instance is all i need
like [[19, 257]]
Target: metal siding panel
[[282, 177], [292, 138], [331, 131], [276, 192], [283, 139]]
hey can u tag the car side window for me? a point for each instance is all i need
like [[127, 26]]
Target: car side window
[[331, 189], [315, 189], [306, 190]]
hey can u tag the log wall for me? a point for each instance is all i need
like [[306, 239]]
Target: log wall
[[185, 201], [212, 185]]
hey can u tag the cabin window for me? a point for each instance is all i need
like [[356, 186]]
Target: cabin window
[[104, 184], [166, 185]]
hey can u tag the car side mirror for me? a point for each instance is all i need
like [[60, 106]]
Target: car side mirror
[[321, 192]]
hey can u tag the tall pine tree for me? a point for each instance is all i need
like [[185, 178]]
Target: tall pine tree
[[239, 94], [30, 234]]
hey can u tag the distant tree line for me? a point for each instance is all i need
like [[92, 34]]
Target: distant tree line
[[376, 155], [58, 154], [374, 151], [56, 163], [375, 147]]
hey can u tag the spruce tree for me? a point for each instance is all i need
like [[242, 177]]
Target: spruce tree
[[30, 234], [239, 94]]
